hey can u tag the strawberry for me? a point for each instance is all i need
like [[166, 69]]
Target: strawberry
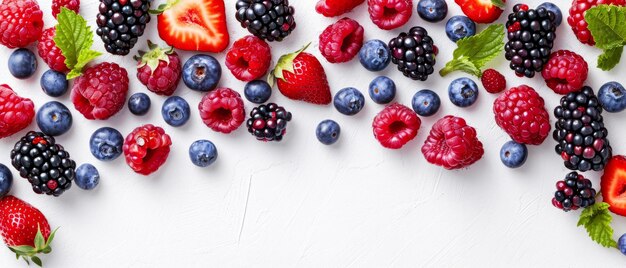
[[301, 76], [482, 11], [613, 185], [24, 229], [198, 25]]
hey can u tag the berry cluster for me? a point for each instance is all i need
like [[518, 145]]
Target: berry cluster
[[268, 122], [269, 20], [573, 192], [121, 22], [414, 53]]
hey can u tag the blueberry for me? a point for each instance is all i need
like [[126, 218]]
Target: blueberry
[[374, 55], [87, 177], [53, 83], [54, 118], [6, 180], [257, 91], [621, 244], [328, 132], [22, 63], [139, 104], [463, 92], [459, 27], [349, 101], [432, 10], [106, 144], [175, 111], [558, 16], [513, 154], [426, 102], [382, 90], [612, 97], [203, 153], [202, 73]]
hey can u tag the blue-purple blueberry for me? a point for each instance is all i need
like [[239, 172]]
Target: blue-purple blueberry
[[54, 118], [459, 27], [257, 91], [203, 153], [432, 10], [175, 111], [426, 102], [139, 104], [349, 101], [382, 90], [202, 73], [463, 92], [375, 55], [22, 63], [106, 144], [513, 154], [6, 180], [87, 177], [328, 132], [612, 97], [54, 83]]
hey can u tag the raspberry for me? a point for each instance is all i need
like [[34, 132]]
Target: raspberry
[[341, 41], [452, 144], [73, 5], [565, 72], [146, 149], [520, 112], [577, 21], [493, 81], [159, 69], [222, 110], [101, 91], [249, 58], [21, 22], [395, 125], [332, 8], [390, 14], [16, 113], [574, 192], [49, 52]]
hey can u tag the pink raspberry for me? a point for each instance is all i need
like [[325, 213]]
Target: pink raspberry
[[73, 5], [390, 14], [159, 69], [101, 91], [249, 58], [222, 110], [16, 113], [565, 72], [452, 144], [520, 112], [341, 41], [396, 125], [49, 52], [21, 22], [146, 149]]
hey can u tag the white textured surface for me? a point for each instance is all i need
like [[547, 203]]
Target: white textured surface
[[302, 204]]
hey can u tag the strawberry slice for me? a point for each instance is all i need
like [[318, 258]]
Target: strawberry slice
[[614, 185], [198, 25], [482, 11]]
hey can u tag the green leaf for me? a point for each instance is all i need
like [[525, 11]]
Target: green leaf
[[474, 52], [51, 237], [36, 260], [74, 38], [597, 221], [498, 3], [23, 250], [610, 58], [607, 24], [40, 241], [285, 63]]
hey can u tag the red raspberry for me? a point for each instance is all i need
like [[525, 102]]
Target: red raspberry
[[565, 72], [341, 41], [16, 113], [396, 125], [249, 58], [493, 81], [101, 91], [146, 149], [49, 52], [73, 5], [390, 14], [332, 8], [222, 110], [159, 69], [520, 112], [577, 21], [452, 144], [21, 22]]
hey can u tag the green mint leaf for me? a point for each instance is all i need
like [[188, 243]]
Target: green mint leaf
[[36, 260], [476, 50], [607, 24], [597, 221], [74, 38], [610, 58]]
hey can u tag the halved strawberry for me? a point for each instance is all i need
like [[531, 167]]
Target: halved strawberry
[[482, 11], [614, 185], [198, 25]]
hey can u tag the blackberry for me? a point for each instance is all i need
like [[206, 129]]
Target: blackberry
[[573, 192], [45, 164], [271, 20], [121, 22], [580, 132], [268, 122], [413, 53], [531, 35]]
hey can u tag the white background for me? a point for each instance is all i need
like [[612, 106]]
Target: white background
[[303, 204]]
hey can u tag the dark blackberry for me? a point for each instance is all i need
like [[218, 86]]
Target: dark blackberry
[[531, 35], [271, 20], [121, 22], [44, 163], [414, 53], [580, 132], [268, 122], [573, 192]]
